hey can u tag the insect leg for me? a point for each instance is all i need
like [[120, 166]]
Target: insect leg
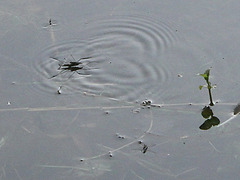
[[80, 58], [63, 71], [81, 73], [84, 58], [57, 59]]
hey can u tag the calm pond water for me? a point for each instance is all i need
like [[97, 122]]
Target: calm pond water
[[110, 90]]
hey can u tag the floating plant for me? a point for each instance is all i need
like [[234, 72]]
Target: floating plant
[[207, 112], [212, 120]]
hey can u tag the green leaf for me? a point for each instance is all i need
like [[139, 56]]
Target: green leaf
[[203, 75], [207, 72], [200, 87], [206, 125], [215, 121], [207, 112]]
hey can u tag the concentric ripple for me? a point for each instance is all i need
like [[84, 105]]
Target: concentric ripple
[[145, 34], [124, 59]]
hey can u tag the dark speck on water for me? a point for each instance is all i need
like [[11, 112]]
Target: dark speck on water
[[236, 109]]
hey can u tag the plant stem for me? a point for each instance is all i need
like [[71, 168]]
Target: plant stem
[[210, 94]]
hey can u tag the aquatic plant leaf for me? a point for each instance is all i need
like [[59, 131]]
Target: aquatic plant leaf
[[200, 87], [215, 121], [206, 74], [206, 125], [236, 109], [207, 112]]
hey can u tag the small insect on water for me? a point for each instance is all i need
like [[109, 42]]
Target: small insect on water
[[145, 147], [76, 66]]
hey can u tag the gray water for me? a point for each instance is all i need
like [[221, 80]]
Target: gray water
[[75, 76]]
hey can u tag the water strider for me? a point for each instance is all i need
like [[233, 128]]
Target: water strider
[[145, 147], [72, 66]]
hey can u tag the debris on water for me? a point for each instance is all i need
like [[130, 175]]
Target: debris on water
[[81, 160], [13, 82], [59, 91], [180, 75], [50, 22], [146, 102], [120, 136], [110, 154], [8, 103], [107, 112], [236, 109]]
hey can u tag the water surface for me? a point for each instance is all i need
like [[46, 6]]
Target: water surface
[[74, 76]]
